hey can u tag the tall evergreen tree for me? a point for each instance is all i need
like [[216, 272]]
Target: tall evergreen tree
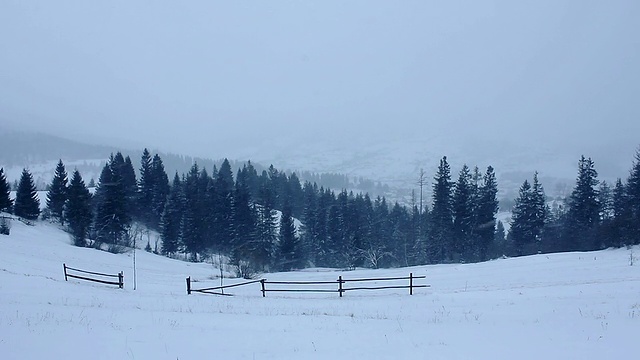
[[583, 209], [499, 247], [266, 225], [463, 246], [309, 231], [486, 210], [57, 194], [27, 204], [160, 190], [113, 210], [539, 200], [172, 218], [78, 209], [290, 256], [621, 224], [223, 209], [524, 233], [145, 189], [439, 245], [633, 200], [244, 219], [193, 224], [5, 200]]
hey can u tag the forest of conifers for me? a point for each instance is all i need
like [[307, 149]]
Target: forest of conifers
[[273, 222]]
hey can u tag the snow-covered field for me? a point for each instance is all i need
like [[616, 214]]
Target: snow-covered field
[[561, 306]]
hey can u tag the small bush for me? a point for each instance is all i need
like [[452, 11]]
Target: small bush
[[5, 226]]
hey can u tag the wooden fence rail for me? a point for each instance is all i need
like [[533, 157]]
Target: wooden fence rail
[[309, 286], [212, 290], [68, 274], [341, 285]]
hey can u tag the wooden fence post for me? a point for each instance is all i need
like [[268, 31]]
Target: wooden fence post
[[410, 283], [65, 271], [121, 280], [340, 290], [189, 285], [264, 291]]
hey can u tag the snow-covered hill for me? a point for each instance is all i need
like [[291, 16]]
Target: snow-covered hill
[[560, 306]]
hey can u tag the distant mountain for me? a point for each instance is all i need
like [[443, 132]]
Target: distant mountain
[[40, 153]]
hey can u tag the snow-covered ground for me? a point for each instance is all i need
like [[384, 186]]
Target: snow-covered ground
[[560, 306]]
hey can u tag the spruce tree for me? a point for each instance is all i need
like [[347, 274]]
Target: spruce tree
[[27, 204], [266, 225], [463, 247], [222, 228], [621, 227], [57, 194], [499, 247], [159, 191], [439, 245], [113, 210], [309, 231], [290, 256], [244, 219], [633, 200], [486, 210], [5, 200], [145, 189], [172, 218], [583, 209], [193, 224], [523, 231], [78, 209]]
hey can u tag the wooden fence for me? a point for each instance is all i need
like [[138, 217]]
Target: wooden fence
[[69, 273], [217, 290], [317, 286], [342, 285]]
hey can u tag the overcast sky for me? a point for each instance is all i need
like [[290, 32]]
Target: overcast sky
[[196, 76]]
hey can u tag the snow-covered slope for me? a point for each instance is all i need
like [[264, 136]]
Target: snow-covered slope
[[560, 306]]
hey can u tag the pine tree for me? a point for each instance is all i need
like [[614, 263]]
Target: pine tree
[[57, 194], [130, 184], [621, 224], [78, 209], [266, 224], [523, 231], [172, 218], [633, 200], [439, 246], [583, 209], [113, 210], [486, 210], [145, 189], [244, 219], [289, 245], [27, 204], [159, 190], [540, 204], [309, 231], [193, 224], [463, 247], [222, 228], [5, 200], [500, 244], [377, 232]]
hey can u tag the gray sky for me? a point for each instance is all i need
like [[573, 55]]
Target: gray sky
[[196, 76]]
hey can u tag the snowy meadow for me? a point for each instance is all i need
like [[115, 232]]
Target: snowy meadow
[[555, 306]]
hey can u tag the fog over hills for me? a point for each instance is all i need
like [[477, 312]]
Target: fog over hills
[[366, 88]]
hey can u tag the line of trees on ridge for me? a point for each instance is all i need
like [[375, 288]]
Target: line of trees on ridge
[[252, 218]]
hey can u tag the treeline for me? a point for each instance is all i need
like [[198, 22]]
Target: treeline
[[250, 216]]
